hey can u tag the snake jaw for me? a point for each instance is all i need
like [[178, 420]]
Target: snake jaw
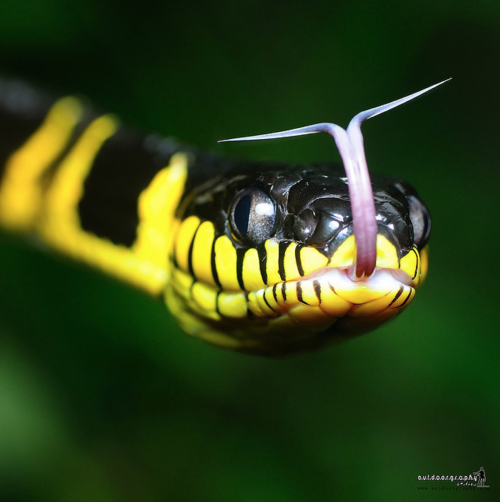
[[322, 309], [316, 305], [332, 294]]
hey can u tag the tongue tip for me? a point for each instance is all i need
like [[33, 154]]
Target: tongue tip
[[365, 260], [357, 273]]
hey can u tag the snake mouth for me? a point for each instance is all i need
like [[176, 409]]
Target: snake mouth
[[307, 311], [348, 274], [331, 293]]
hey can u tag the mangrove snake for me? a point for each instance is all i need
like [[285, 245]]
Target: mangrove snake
[[258, 257]]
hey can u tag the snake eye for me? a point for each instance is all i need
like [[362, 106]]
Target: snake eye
[[252, 215], [421, 221]]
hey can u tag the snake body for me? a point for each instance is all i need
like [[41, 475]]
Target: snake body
[[252, 256]]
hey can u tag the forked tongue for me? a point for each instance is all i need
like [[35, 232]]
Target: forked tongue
[[351, 148]]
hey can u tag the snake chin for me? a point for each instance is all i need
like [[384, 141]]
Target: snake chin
[[381, 274], [329, 300], [325, 307]]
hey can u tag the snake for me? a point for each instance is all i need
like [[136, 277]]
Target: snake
[[260, 257]]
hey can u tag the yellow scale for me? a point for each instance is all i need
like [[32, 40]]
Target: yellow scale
[[203, 297], [26, 205]]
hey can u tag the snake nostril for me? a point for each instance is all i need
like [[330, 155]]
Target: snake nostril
[[305, 225], [326, 230], [317, 229]]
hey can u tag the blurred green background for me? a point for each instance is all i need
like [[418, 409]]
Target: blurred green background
[[102, 398]]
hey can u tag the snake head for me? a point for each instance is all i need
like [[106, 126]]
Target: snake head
[[276, 259], [264, 259]]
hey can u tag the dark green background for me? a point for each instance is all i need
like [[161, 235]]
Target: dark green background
[[102, 398]]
